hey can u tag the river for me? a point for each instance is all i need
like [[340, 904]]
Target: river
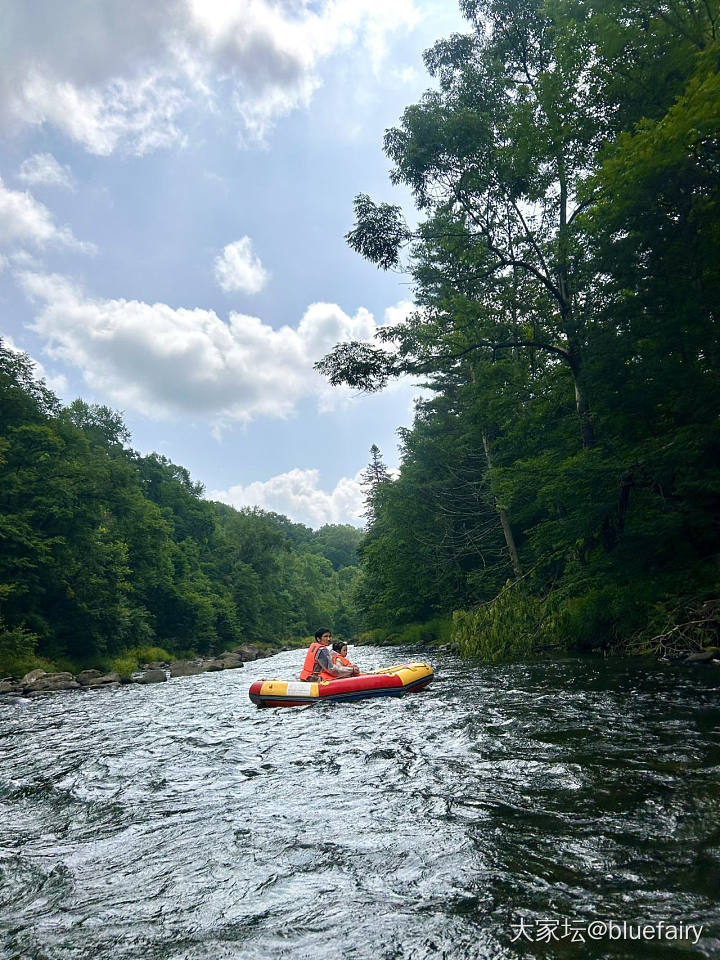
[[500, 813]]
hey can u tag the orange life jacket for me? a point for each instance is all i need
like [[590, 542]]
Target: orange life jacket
[[308, 667], [343, 661]]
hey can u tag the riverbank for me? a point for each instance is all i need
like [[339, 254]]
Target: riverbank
[[40, 681], [518, 627]]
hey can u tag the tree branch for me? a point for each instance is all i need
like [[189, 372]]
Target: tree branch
[[492, 345]]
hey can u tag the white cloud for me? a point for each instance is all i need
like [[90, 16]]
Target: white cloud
[[120, 74], [23, 219], [239, 268], [139, 113], [297, 494], [165, 362], [43, 168], [399, 313], [24, 260]]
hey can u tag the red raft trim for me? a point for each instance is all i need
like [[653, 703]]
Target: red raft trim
[[367, 681]]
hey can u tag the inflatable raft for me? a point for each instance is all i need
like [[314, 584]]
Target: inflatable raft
[[391, 681]]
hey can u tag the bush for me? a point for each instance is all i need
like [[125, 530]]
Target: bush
[[127, 662], [677, 630], [17, 652], [623, 617], [420, 634], [124, 665], [413, 634], [148, 654], [374, 638], [507, 628]]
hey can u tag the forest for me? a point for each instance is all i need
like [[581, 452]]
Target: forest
[[107, 555], [560, 486]]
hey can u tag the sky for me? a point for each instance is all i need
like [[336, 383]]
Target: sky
[[176, 180]]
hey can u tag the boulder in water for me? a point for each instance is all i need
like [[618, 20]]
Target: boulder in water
[[92, 679], [49, 681], [705, 656], [32, 677], [247, 653], [231, 660], [212, 666], [151, 676], [85, 677], [187, 668]]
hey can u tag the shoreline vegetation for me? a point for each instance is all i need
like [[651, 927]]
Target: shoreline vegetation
[[437, 635], [135, 667], [477, 635]]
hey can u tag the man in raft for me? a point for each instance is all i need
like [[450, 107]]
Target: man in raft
[[318, 663]]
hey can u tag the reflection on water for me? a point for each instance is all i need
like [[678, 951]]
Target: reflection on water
[[179, 821]]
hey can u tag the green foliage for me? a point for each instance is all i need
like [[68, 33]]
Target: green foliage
[[110, 559], [124, 665], [509, 627], [338, 543], [152, 655], [376, 637], [437, 631], [100, 424], [518, 624], [674, 631], [17, 651], [638, 617], [381, 231], [129, 661]]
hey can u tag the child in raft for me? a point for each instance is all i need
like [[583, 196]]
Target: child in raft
[[339, 655]]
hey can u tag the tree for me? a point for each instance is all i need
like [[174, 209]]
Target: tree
[[373, 478], [24, 397], [495, 160], [338, 542], [98, 423], [102, 550]]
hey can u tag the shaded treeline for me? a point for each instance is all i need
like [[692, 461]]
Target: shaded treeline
[[103, 550], [561, 486]]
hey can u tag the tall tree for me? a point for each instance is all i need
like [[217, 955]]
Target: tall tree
[[373, 477], [495, 159]]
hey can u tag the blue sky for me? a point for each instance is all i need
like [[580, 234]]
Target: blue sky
[[177, 179]]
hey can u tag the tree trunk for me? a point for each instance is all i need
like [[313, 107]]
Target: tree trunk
[[587, 431], [507, 530]]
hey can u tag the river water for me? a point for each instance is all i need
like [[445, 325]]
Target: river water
[[497, 814]]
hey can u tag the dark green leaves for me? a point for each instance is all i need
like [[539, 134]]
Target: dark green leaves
[[360, 365], [379, 233]]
